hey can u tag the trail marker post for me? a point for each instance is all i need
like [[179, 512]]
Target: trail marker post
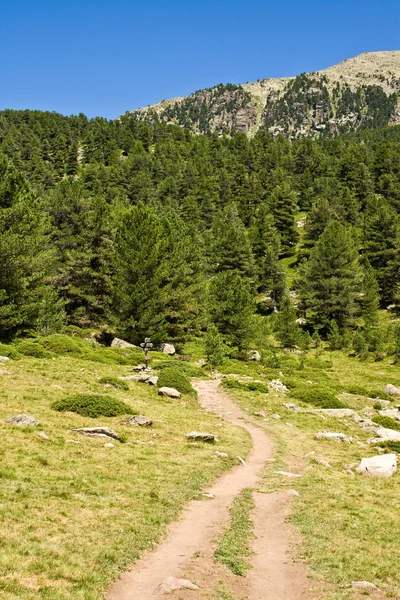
[[147, 346]]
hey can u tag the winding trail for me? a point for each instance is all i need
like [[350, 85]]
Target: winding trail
[[188, 549]]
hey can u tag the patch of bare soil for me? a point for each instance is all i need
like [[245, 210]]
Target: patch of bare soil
[[188, 549]]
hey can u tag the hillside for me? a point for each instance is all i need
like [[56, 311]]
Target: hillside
[[358, 93]]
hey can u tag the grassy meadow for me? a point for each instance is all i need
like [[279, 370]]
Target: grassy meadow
[[74, 513]]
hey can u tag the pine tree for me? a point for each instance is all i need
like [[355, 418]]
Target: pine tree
[[331, 278], [287, 329], [214, 347], [283, 206], [231, 308], [369, 298]]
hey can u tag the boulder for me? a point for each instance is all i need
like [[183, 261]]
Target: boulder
[[392, 390], [139, 420], [200, 436], [394, 413], [168, 349], [170, 392], [118, 343], [23, 421], [4, 358], [384, 465], [172, 583], [329, 435], [254, 355], [104, 432], [386, 435], [152, 380]]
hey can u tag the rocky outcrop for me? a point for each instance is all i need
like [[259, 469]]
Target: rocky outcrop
[[359, 92], [384, 465]]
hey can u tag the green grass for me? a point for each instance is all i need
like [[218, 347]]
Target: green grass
[[349, 524], [221, 592], [74, 515], [114, 382], [234, 547]]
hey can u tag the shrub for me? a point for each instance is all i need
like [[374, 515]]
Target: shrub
[[386, 422], [33, 348], [320, 396], [93, 405], [252, 386], [389, 446], [175, 378], [359, 390], [188, 369], [115, 382], [257, 386], [62, 344], [10, 351]]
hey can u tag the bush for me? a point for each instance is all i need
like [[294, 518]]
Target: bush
[[386, 422], [175, 378], [10, 351], [359, 390], [74, 346], [389, 446], [33, 348], [115, 382], [252, 386], [320, 396], [62, 344], [93, 405]]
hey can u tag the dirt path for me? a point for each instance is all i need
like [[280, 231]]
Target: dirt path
[[188, 549]]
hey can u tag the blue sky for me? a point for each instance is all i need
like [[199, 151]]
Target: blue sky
[[103, 58]]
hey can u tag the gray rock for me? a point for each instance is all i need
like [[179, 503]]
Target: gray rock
[[364, 585], [173, 583], [394, 413], [139, 368], [290, 475], [221, 454], [321, 461], [23, 421], [105, 432], [140, 420], [170, 392], [200, 436], [392, 390], [118, 343], [109, 445], [260, 413], [384, 465], [43, 435], [168, 349], [339, 413], [4, 358], [276, 416], [291, 406], [389, 435], [143, 378], [152, 380], [254, 355], [336, 437]]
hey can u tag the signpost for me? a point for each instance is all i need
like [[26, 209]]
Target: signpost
[[147, 346]]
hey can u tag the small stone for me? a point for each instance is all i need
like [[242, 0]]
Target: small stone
[[254, 355], [287, 474], [172, 583], [73, 442], [348, 472], [309, 454], [291, 406], [170, 392], [364, 585], [293, 493], [208, 495], [109, 445], [275, 416], [140, 420], [106, 432], [144, 443], [139, 368], [289, 424], [143, 378], [4, 358], [321, 461], [392, 390], [336, 437], [200, 436], [339, 413], [260, 413], [242, 460], [221, 454], [43, 435], [23, 421], [152, 380]]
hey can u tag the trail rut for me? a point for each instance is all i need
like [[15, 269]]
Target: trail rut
[[188, 549]]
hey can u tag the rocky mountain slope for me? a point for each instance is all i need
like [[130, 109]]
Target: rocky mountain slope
[[358, 93]]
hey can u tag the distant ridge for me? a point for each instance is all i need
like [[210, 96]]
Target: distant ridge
[[360, 92]]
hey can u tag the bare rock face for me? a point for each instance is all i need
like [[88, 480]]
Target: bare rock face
[[23, 421], [171, 584], [336, 437], [167, 391], [118, 343], [140, 420], [384, 465], [104, 432], [200, 436], [392, 390]]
